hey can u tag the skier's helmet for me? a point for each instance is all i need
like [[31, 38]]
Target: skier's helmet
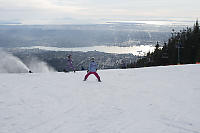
[[69, 56]]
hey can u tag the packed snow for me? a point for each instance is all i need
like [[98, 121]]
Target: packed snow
[[143, 100]]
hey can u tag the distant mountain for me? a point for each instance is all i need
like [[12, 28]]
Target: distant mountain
[[9, 23]]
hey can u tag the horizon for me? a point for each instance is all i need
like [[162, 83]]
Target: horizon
[[141, 22]]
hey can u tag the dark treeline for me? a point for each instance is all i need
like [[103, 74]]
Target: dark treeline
[[182, 48]]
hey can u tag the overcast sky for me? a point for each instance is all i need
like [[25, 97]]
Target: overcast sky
[[96, 11]]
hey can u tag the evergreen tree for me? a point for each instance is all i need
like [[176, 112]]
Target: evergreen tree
[[185, 44]]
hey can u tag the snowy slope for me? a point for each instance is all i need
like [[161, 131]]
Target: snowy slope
[[143, 100]]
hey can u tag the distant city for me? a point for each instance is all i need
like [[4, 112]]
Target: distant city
[[13, 37], [58, 59]]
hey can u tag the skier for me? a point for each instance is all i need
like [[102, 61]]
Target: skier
[[123, 65], [69, 64], [92, 70]]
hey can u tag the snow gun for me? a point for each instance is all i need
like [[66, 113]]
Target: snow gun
[[30, 71]]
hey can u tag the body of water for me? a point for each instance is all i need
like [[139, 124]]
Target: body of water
[[135, 50]]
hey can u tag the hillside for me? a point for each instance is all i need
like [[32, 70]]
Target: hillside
[[143, 100]]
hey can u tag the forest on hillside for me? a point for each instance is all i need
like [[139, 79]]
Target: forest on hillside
[[183, 47]]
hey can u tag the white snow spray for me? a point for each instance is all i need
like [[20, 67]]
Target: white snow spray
[[11, 64], [37, 66]]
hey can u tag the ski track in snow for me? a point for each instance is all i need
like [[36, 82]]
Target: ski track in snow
[[142, 100]]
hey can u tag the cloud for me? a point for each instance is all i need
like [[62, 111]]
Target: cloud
[[36, 5], [83, 11], [28, 11]]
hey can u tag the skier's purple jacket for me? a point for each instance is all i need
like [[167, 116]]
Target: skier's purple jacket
[[93, 66], [70, 63]]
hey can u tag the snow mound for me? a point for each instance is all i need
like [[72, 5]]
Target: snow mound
[[143, 100]]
